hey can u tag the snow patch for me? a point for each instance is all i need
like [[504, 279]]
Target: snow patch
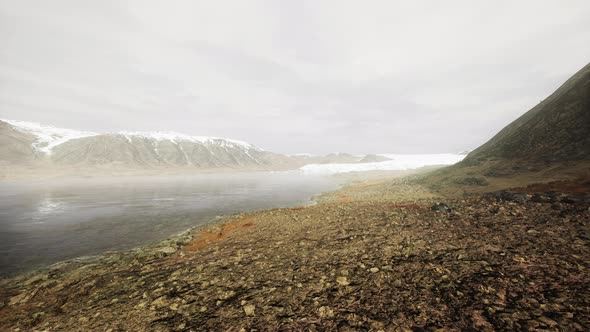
[[397, 162], [176, 137], [48, 137], [188, 161]]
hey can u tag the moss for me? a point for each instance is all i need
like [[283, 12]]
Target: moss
[[472, 181]]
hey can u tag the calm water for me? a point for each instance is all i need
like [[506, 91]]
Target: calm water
[[46, 222]]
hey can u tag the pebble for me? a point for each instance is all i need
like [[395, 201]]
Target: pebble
[[249, 309], [325, 312], [343, 281], [167, 250]]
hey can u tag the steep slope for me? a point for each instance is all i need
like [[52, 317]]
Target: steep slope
[[158, 149], [47, 146], [45, 137], [557, 129], [548, 143], [16, 147]]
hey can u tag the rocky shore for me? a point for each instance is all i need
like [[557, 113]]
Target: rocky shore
[[390, 256]]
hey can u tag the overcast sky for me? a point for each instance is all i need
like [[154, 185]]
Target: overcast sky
[[290, 76]]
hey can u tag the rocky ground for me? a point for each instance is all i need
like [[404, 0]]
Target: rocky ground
[[371, 257]]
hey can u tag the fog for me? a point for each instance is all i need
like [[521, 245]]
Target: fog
[[290, 76]]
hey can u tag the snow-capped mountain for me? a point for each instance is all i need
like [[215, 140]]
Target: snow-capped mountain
[[178, 137], [40, 146], [33, 141], [47, 137]]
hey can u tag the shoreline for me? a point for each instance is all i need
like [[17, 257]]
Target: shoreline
[[10, 175], [152, 246], [364, 257], [176, 241], [351, 180], [348, 180]]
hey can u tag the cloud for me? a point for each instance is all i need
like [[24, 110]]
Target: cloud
[[290, 76]]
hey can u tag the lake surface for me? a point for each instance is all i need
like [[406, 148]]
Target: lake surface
[[50, 221]]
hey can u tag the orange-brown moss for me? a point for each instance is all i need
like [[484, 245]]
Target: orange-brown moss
[[210, 235]]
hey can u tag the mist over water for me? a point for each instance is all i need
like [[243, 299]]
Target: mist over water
[[46, 222]]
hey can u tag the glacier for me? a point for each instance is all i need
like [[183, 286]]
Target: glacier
[[398, 162]]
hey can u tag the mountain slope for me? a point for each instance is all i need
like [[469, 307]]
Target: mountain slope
[[48, 147], [548, 143], [45, 138], [557, 129], [373, 158], [158, 150], [16, 147], [30, 143]]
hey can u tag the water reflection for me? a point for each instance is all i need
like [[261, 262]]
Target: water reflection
[[46, 207], [42, 223]]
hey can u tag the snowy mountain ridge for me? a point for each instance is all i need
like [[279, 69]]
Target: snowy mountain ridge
[[34, 144], [176, 137], [48, 137]]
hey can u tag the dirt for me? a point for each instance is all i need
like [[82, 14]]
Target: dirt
[[371, 257]]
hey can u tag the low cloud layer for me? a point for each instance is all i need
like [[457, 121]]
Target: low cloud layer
[[290, 76]]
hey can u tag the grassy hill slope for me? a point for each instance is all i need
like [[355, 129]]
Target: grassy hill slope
[[548, 143]]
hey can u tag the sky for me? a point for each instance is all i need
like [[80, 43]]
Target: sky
[[290, 76]]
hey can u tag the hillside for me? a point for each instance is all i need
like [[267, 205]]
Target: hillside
[[152, 150], [46, 147], [556, 130], [70, 147], [16, 147], [373, 158], [550, 142]]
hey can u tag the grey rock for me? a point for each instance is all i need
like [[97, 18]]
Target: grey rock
[[539, 198], [441, 207], [167, 250]]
